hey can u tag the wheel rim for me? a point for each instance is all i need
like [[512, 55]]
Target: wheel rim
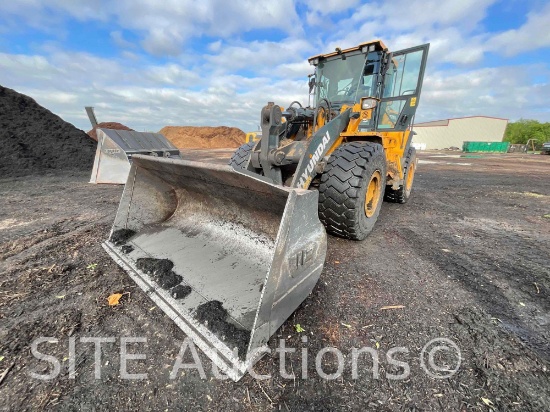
[[410, 177], [372, 197]]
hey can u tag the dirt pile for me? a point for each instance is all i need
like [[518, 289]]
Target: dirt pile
[[189, 137], [33, 139], [107, 125]]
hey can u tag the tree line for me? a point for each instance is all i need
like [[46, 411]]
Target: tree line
[[524, 129]]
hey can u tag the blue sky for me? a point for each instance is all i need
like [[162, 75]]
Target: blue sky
[[149, 64]]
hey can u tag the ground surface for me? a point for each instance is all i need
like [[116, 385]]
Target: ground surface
[[468, 258]]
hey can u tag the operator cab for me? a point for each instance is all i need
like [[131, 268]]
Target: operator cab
[[369, 75], [346, 76]]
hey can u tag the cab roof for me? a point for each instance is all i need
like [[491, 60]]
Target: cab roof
[[378, 45]]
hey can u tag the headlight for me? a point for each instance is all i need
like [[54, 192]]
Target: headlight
[[368, 103], [367, 48]]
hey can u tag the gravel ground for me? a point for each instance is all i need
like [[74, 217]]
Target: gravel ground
[[467, 259]]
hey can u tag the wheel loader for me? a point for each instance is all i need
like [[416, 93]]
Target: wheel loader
[[229, 252]]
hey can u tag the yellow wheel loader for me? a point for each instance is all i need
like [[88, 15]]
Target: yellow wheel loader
[[229, 252]]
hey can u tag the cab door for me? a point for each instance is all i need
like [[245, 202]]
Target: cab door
[[402, 83]]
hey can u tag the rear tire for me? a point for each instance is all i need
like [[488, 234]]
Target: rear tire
[[352, 189], [403, 194], [240, 157]]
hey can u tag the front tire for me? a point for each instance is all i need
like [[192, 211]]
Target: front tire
[[352, 189], [403, 194], [239, 158]]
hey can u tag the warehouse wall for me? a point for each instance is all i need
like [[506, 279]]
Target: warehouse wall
[[441, 134]]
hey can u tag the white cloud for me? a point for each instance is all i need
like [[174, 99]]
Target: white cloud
[[215, 46], [325, 7], [120, 41], [172, 74], [230, 80], [495, 91], [146, 97], [452, 27], [263, 55], [150, 97], [166, 25], [298, 70], [532, 35], [48, 15], [162, 41], [319, 10], [402, 15]]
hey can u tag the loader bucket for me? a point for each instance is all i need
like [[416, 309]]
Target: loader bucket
[[227, 256], [115, 149]]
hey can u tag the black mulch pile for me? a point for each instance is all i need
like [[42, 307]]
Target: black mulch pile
[[34, 140]]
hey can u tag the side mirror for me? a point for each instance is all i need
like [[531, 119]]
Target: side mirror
[[311, 83], [387, 64]]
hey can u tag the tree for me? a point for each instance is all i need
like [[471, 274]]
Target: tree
[[524, 129]]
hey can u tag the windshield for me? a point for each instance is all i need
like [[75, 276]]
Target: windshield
[[346, 80]]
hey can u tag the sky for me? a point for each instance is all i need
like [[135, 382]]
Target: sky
[[148, 63]]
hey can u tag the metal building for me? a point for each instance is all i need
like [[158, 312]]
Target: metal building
[[442, 134]]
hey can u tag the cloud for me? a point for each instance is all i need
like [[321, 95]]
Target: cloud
[[325, 7], [49, 15], [172, 74], [452, 27], [319, 10], [162, 41], [262, 55], [194, 63], [120, 41], [532, 35], [145, 97], [149, 97], [493, 91], [403, 15], [164, 26]]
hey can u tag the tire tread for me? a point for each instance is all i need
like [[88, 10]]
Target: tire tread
[[241, 155], [341, 185]]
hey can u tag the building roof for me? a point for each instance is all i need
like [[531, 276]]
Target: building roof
[[445, 122]]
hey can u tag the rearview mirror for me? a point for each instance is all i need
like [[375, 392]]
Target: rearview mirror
[[311, 82]]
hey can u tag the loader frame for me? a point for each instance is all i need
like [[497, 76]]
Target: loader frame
[[229, 253]]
